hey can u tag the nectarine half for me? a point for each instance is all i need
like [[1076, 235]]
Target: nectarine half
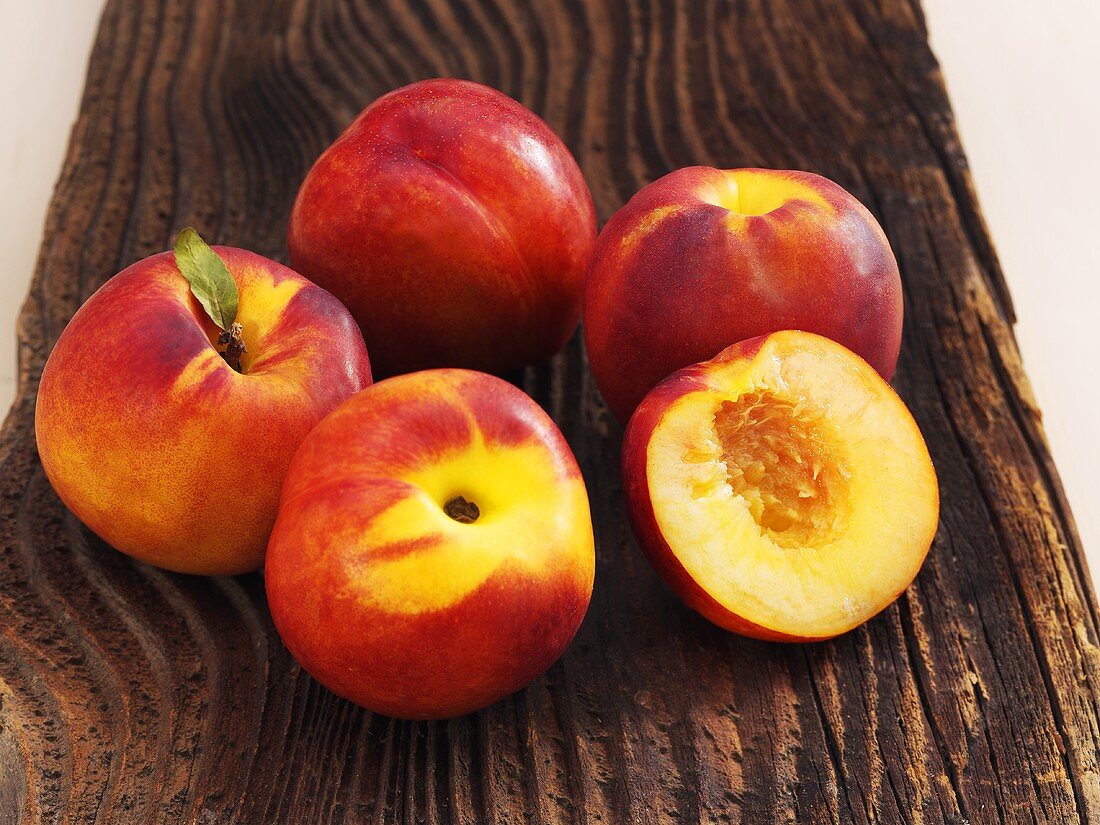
[[782, 489]]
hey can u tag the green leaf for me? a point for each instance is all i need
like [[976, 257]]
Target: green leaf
[[210, 281]]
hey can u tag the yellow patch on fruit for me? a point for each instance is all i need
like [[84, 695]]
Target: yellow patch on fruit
[[646, 224], [746, 193], [198, 369], [261, 306], [519, 495]]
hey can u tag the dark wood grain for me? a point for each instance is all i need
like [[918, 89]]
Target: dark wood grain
[[130, 695]]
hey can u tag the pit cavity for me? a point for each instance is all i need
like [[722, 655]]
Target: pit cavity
[[462, 510], [750, 195], [781, 457]]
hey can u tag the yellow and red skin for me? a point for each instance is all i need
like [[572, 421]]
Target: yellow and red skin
[[454, 224], [425, 665], [827, 267], [647, 417], [160, 447]]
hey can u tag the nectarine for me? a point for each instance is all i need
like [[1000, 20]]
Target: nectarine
[[433, 551], [703, 257], [156, 443], [454, 224], [782, 489]]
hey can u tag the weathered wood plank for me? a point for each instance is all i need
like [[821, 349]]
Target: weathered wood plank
[[128, 694]]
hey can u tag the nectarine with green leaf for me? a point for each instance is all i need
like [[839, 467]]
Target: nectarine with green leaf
[[171, 406]]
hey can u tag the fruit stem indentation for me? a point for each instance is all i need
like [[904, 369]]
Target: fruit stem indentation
[[233, 341]]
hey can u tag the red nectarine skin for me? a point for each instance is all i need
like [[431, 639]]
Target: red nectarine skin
[[454, 224], [159, 446], [679, 274], [390, 603]]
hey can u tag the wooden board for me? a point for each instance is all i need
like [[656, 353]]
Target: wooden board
[[130, 695]]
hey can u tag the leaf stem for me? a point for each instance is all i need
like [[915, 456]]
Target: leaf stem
[[233, 341]]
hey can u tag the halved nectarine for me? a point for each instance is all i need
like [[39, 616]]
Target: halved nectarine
[[782, 489]]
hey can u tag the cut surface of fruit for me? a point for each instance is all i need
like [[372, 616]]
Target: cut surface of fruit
[[783, 486], [784, 460]]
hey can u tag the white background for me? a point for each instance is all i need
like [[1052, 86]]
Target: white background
[[1022, 76]]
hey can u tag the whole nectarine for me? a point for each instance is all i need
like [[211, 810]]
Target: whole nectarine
[[704, 257], [161, 447], [433, 551], [454, 224]]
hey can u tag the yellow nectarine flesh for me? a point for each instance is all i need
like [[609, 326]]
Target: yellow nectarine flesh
[[783, 488]]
